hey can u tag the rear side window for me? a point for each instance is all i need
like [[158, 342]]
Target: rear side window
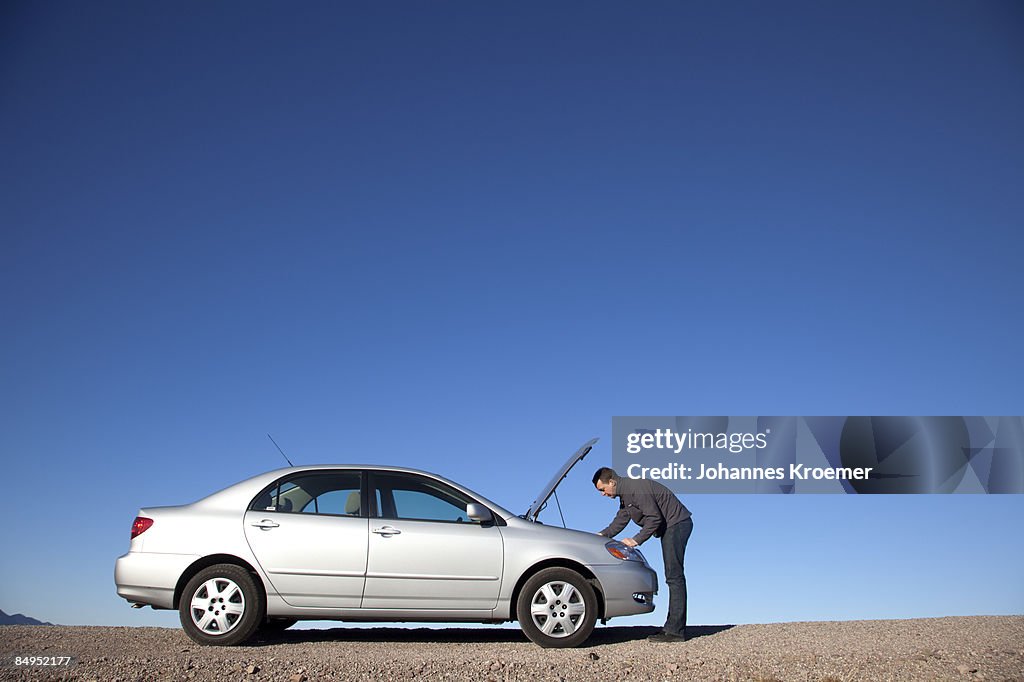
[[334, 493], [408, 496]]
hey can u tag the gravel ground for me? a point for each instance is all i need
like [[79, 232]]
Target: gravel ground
[[963, 648]]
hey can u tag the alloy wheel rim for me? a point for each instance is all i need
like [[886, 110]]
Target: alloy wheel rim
[[217, 606], [557, 609]]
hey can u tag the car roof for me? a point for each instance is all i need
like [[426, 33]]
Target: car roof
[[238, 495]]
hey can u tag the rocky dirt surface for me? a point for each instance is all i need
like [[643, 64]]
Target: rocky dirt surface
[[963, 648]]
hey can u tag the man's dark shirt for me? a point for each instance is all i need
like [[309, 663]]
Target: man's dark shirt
[[647, 503]]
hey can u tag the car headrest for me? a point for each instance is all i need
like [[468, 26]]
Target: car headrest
[[352, 503]]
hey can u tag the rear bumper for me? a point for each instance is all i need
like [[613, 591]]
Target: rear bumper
[[150, 578], [620, 582]]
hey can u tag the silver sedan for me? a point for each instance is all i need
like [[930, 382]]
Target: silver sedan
[[374, 543]]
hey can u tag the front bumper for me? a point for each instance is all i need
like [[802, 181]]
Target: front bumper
[[150, 578], [629, 588]]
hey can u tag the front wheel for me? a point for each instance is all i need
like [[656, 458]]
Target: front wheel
[[557, 608], [221, 606]]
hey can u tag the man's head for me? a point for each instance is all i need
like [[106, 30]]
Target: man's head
[[606, 481]]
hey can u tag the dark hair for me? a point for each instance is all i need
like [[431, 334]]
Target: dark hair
[[604, 474]]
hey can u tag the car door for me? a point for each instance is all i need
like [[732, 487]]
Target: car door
[[424, 550], [309, 534]]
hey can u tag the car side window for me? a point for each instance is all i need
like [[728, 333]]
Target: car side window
[[417, 498], [333, 493]]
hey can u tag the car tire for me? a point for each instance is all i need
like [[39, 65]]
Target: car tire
[[272, 625], [557, 608], [221, 606]]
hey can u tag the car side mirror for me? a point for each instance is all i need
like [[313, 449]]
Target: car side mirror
[[478, 512]]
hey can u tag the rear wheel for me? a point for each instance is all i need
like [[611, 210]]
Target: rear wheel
[[557, 608], [221, 605]]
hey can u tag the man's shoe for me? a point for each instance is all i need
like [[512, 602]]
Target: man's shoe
[[666, 637]]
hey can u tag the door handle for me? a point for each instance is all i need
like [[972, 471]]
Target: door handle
[[266, 524], [387, 530]]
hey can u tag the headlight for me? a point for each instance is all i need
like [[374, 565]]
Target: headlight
[[624, 552]]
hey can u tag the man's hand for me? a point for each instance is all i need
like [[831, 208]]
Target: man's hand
[[629, 542]]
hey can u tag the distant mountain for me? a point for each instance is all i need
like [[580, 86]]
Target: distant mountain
[[19, 619]]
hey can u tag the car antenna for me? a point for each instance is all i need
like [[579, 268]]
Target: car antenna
[[280, 450]]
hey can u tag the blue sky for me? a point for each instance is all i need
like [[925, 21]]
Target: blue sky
[[462, 237]]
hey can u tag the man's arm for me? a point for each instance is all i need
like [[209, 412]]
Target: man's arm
[[652, 518], [617, 524]]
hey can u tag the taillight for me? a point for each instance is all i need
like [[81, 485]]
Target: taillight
[[140, 526]]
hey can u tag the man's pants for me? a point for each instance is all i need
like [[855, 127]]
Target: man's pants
[[673, 550]]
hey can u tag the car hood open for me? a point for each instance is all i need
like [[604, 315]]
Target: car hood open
[[541, 501]]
